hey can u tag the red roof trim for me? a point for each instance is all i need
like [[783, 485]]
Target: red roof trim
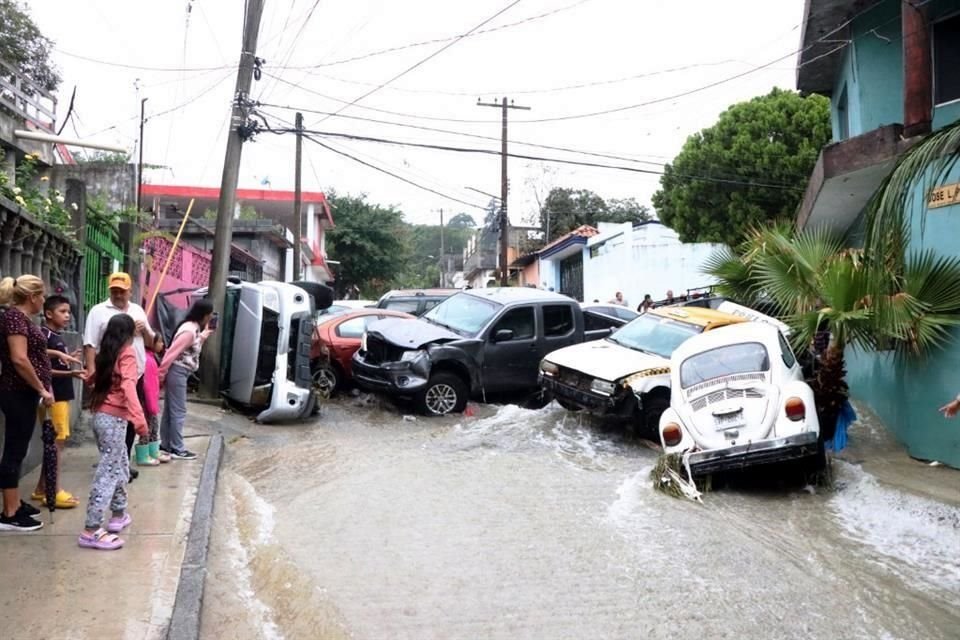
[[213, 193]]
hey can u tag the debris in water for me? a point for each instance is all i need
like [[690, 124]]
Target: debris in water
[[668, 476]]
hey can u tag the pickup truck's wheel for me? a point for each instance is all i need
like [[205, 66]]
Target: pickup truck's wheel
[[445, 393], [654, 405]]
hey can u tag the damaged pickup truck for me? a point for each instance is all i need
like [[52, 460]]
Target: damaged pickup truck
[[473, 343]]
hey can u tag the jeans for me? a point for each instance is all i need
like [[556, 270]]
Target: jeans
[[174, 409], [113, 470], [20, 411]]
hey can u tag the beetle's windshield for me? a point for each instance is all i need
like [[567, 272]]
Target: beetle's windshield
[[731, 359]]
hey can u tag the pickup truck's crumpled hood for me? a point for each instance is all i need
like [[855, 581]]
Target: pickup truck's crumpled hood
[[411, 334], [605, 360]]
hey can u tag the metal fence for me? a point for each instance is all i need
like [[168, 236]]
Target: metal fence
[[102, 256]]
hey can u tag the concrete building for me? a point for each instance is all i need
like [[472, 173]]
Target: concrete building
[[894, 79], [647, 258], [262, 225]]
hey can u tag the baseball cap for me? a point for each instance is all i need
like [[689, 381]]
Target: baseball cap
[[119, 280]]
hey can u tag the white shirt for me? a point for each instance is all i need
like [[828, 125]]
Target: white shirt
[[97, 321]]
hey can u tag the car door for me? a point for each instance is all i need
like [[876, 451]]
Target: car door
[[346, 339], [598, 325], [559, 327], [510, 364]]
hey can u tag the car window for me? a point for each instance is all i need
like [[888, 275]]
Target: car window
[[625, 314], [786, 352], [430, 304], [597, 321], [463, 313], [354, 327], [557, 320], [407, 306], [731, 359], [655, 334], [519, 320]]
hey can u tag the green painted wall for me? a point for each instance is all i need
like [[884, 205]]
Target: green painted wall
[[906, 395]]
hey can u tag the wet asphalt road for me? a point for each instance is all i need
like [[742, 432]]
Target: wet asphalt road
[[541, 524]]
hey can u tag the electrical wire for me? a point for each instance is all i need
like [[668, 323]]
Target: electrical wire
[[296, 39], [492, 152], [391, 174], [423, 61]]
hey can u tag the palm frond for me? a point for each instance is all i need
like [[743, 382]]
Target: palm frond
[[733, 275], [919, 169]]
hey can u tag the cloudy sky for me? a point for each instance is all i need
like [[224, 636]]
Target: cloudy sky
[[565, 59]]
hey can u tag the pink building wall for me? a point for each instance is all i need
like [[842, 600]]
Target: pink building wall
[[190, 268]]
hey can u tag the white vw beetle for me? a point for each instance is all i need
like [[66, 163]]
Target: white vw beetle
[[738, 399]]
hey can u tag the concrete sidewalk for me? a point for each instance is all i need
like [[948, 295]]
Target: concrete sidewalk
[[54, 589]]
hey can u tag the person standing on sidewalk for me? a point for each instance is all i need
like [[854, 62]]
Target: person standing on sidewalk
[[144, 338], [56, 312], [114, 404], [182, 359], [24, 383]]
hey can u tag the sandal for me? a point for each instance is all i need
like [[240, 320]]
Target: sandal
[[100, 539], [65, 499], [116, 525]]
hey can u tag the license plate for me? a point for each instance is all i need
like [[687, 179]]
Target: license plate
[[729, 421]]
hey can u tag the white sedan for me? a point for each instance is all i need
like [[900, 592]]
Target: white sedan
[[738, 399]]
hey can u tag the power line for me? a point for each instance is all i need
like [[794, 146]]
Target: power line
[[467, 135], [595, 165], [424, 60], [296, 38], [391, 174]]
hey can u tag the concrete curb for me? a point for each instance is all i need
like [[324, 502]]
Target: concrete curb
[[185, 620]]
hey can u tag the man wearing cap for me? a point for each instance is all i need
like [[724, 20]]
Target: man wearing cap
[[120, 286]]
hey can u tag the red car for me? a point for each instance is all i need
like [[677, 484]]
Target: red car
[[336, 340]]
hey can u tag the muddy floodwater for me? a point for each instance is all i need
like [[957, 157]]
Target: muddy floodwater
[[519, 523]]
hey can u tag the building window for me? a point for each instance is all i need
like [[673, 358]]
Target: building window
[[843, 116], [946, 60]]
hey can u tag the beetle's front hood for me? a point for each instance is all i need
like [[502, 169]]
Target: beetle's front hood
[[411, 334], [605, 360]]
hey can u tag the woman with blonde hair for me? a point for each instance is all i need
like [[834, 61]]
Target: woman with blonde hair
[[25, 382]]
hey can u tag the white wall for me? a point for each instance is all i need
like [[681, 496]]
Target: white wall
[[648, 259]]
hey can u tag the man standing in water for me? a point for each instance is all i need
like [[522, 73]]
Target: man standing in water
[[120, 285]]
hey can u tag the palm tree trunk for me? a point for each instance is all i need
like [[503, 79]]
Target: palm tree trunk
[[830, 390]]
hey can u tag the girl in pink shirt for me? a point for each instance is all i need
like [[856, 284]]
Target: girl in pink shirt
[[114, 403]]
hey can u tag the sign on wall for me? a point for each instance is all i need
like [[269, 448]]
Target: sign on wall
[[944, 196]]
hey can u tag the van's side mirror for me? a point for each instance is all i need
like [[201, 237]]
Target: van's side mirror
[[503, 335]]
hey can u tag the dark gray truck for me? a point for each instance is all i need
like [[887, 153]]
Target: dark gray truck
[[474, 342]]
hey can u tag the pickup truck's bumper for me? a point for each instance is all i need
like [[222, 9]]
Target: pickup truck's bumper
[[754, 453], [402, 379]]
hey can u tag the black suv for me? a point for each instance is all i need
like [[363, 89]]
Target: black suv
[[479, 341]]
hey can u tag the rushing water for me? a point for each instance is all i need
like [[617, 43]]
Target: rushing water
[[538, 524]]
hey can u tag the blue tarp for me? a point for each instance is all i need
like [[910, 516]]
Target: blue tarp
[[847, 417]]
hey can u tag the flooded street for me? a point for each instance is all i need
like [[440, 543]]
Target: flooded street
[[539, 524]]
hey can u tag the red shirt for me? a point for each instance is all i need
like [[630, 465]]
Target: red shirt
[[15, 323]]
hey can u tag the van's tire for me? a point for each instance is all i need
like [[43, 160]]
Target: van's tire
[[654, 404], [445, 393]]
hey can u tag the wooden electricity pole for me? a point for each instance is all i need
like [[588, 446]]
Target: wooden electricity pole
[[504, 217], [298, 202], [220, 268]]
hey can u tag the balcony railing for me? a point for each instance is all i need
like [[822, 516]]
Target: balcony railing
[[25, 99]]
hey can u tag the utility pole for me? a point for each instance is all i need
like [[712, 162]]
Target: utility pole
[[298, 201], [443, 260], [210, 372], [504, 217], [143, 104]]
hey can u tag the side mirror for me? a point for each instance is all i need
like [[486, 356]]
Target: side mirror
[[503, 335]]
